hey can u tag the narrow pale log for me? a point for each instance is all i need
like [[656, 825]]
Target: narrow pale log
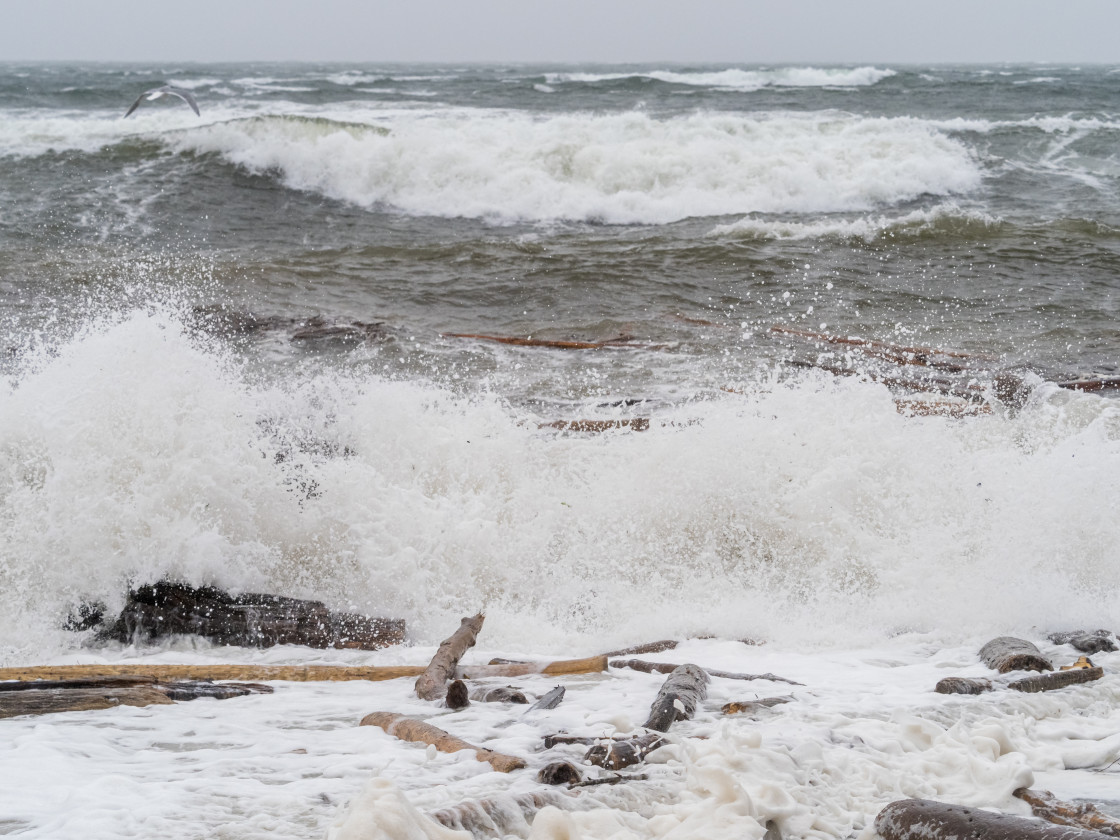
[[614, 755], [502, 815], [432, 684], [751, 707], [1086, 815], [47, 701], [668, 668], [679, 695], [250, 673], [1086, 641], [923, 819], [549, 700], [498, 694], [411, 729], [962, 685], [1006, 653], [1056, 679], [563, 667], [648, 647]]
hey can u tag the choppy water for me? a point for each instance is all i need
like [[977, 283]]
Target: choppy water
[[228, 350]]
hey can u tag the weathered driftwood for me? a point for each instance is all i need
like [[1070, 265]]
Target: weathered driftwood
[[1086, 815], [679, 695], [411, 729], [614, 755], [559, 773], [249, 620], [634, 424], [591, 665], [502, 815], [617, 778], [1086, 641], [897, 353], [528, 341], [46, 701], [1006, 653], [648, 647], [668, 668], [1104, 383], [923, 819], [1056, 679], [549, 700], [930, 384], [748, 707], [962, 685], [120, 681], [218, 691], [457, 695], [497, 694], [432, 684]]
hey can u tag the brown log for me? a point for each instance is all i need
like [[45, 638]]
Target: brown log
[[1104, 383], [614, 755], [46, 701], [922, 819], [432, 684], [679, 695], [648, 647], [411, 729], [169, 608], [502, 815], [119, 681], [751, 707], [1057, 679], [1086, 641], [559, 773], [896, 353], [591, 665], [962, 685], [252, 673], [498, 694], [1086, 815], [668, 668], [1006, 653], [528, 341]]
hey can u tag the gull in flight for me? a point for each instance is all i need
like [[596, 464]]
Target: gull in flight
[[165, 90]]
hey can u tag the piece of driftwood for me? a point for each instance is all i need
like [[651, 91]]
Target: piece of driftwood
[[1006, 653], [615, 754], [457, 695], [411, 729], [529, 341], [923, 819], [559, 773], [591, 665], [503, 815], [1084, 814], [432, 684], [1086, 641], [668, 668], [498, 694], [119, 681], [962, 685], [686, 687], [648, 647], [930, 384], [897, 353], [616, 779], [1056, 679], [748, 707], [218, 691], [47, 701], [1104, 383], [249, 620], [549, 700], [634, 424]]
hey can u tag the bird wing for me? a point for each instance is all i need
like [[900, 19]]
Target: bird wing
[[136, 104], [185, 95], [156, 93]]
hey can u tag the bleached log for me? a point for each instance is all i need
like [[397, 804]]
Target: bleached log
[[1006, 653], [1086, 815], [432, 684], [962, 685], [411, 729], [923, 819], [503, 815], [47, 701], [668, 668], [678, 697], [1056, 679], [497, 694]]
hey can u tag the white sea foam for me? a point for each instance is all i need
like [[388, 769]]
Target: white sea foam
[[867, 228], [745, 80], [622, 168]]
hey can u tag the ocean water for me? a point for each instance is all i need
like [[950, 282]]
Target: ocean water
[[243, 349]]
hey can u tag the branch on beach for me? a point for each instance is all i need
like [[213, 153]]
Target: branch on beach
[[622, 341], [418, 731], [432, 684], [668, 668], [1084, 815]]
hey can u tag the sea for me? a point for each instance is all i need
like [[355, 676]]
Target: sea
[[812, 368]]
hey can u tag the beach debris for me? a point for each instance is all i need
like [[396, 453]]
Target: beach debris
[[962, 685], [498, 694], [559, 773], [432, 684], [1084, 814], [620, 341], [549, 700], [1006, 653], [634, 424], [411, 729], [648, 647], [615, 754], [1086, 641], [617, 778], [751, 707], [170, 608], [1082, 662], [684, 689], [561, 667], [923, 819], [668, 668], [1056, 679], [1104, 383], [948, 360], [457, 695], [503, 815]]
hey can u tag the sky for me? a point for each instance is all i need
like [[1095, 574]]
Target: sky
[[697, 31]]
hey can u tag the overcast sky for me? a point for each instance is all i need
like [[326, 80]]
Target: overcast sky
[[715, 31]]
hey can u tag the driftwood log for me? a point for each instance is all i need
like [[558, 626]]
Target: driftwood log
[[668, 668], [923, 819], [648, 647], [1056, 679], [559, 773], [962, 685], [749, 707], [411, 729], [432, 684], [248, 620], [1086, 815], [46, 696], [681, 692], [502, 815], [1086, 641], [498, 694], [949, 360], [1006, 653], [591, 665], [615, 754], [529, 341]]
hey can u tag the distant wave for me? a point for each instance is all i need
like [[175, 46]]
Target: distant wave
[[943, 220], [745, 80], [625, 168]]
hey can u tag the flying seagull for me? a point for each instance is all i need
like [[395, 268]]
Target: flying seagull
[[166, 90]]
